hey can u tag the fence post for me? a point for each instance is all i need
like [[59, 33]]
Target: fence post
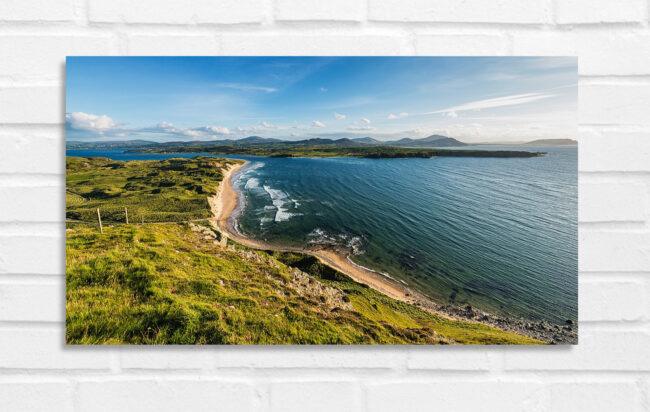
[[99, 218], [126, 215]]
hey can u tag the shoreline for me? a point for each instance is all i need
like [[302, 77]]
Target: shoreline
[[224, 203]]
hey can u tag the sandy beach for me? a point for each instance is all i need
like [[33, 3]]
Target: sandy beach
[[224, 203]]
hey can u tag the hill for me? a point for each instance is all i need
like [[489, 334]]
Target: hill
[[116, 144], [551, 142], [430, 141]]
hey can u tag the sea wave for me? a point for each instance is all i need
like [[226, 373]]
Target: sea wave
[[281, 201]]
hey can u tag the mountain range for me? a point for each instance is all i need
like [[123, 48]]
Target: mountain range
[[430, 141]]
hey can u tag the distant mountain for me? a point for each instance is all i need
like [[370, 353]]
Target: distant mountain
[[116, 144], [256, 139], [430, 141], [552, 142], [367, 140], [435, 140]]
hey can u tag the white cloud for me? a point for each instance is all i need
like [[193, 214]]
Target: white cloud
[[339, 116], [247, 87], [268, 125], [316, 123], [294, 134], [217, 130], [359, 128], [515, 99], [451, 113], [366, 121], [90, 122], [165, 126], [397, 116]]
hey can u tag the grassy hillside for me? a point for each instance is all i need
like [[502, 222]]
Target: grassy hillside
[[171, 190], [158, 283], [164, 283]]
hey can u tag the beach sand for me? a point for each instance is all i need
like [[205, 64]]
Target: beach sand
[[224, 203]]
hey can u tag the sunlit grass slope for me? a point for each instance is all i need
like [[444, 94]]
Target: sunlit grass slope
[[163, 283]]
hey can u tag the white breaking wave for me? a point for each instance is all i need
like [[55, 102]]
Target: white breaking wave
[[252, 183], [281, 202]]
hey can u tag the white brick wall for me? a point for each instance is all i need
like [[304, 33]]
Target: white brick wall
[[608, 371]]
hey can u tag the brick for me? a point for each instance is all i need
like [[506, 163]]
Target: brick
[[305, 357], [36, 396], [594, 396], [618, 201], [40, 255], [599, 350], [460, 45], [614, 251], [32, 302], [178, 45], [45, 105], [471, 11], [36, 10], [599, 52], [614, 104], [165, 357], [198, 394], [454, 396], [449, 358], [315, 396], [599, 11], [607, 151], [45, 349], [38, 57], [173, 12], [338, 10], [612, 301], [26, 204], [336, 45], [545, 43], [29, 151]]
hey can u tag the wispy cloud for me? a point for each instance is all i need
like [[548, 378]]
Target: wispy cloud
[[397, 116], [360, 128], [339, 116], [515, 99], [366, 121], [316, 123], [247, 87]]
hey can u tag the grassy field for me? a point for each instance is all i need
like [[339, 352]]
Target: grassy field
[[171, 190], [165, 283]]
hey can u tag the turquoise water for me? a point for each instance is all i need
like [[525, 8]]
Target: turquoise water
[[499, 234]]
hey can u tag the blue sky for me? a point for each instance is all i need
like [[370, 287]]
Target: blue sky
[[474, 99]]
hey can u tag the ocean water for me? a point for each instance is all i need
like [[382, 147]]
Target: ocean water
[[498, 234]]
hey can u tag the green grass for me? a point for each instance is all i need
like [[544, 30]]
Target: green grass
[[171, 190], [165, 284]]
